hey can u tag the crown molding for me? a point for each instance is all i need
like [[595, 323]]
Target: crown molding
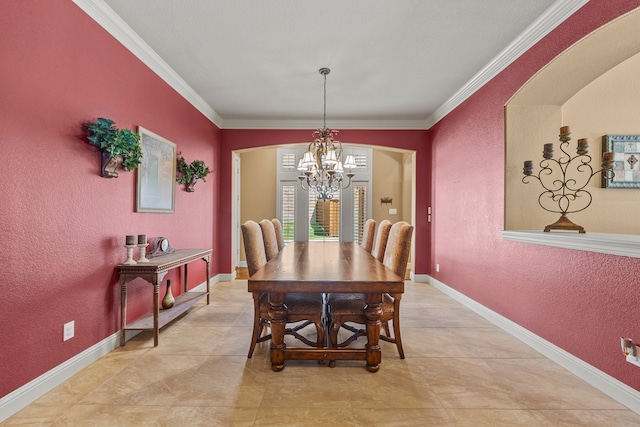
[[549, 20], [334, 124], [114, 25]]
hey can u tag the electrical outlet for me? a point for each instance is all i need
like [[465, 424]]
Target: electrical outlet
[[437, 268], [68, 330], [393, 211], [631, 350], [634, 360]]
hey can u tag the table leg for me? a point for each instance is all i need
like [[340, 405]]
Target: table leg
[[123, 310], [278, 315], [186, 276], [373, 312], [208, 261], [156, 311]]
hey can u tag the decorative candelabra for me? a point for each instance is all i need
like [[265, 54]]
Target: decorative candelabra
[[564, 180]]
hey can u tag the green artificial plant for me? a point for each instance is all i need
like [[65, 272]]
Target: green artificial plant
[[114, 141], [190, 173]]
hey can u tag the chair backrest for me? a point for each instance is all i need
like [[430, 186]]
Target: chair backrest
[[270, 239], [253, 246], [368, 233], [396, 254], [382, 235], [279, 232]]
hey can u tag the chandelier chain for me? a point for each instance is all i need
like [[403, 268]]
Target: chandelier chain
[[324, 72]]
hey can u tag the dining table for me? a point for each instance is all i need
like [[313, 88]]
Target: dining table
[[325, 267]]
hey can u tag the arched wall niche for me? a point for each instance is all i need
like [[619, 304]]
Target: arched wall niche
[[594, 88]]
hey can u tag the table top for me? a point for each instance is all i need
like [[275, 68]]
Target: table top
[[325, 267], [165, 262]]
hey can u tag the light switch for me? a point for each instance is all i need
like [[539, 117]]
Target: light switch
[[393, 211]]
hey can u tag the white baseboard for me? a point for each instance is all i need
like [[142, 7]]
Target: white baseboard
[[19, 398], [609, 385], [424, 278], [227, 277]]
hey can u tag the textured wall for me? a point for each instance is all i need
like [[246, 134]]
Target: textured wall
[[234, 139], [62, 225], [581, 301]]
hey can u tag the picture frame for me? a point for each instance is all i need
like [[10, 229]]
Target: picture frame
[[156, 174], [626, 161]]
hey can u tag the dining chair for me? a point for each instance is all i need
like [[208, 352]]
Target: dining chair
[[269, 238], [279, 232], [368, 232], [382, 235], [345, 308], [300, 306]]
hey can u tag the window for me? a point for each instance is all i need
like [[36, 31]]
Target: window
[[288, 207], [359, 211], [304, 217]]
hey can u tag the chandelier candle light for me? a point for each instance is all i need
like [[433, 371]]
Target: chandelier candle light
[[560, 190], [321, 166]]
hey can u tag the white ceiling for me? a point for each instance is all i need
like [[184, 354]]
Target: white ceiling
[[394, 64]]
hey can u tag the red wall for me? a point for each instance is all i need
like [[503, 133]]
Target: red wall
[[581, 301], [62, 225], [415, 140]]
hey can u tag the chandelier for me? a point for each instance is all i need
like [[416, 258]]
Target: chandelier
[[321, 168]]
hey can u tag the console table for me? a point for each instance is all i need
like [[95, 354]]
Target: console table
[[153, 272]]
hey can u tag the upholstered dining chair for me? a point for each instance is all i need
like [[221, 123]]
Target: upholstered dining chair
[[270, 238], [279, 232], [346, 308], [368, 234], [300, 306], [382, 235]]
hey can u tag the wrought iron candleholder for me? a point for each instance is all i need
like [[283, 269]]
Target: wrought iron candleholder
[[564, 180]]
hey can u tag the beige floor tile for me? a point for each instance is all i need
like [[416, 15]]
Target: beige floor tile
[[149, 380], [407, 417], [38, 415], [466, 383], [542, 384], [110, 416], [198, 416], [596, 418], [453, 317], [463, 342], [459, 370], [497, 417], [393, 386], [301, 416]]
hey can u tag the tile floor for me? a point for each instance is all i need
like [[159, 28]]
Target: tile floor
[[199, 375]]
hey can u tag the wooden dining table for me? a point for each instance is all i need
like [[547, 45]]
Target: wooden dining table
[[325, 267]]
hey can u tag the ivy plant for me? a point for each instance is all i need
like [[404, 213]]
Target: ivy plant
[[114, 141], [188, 171]]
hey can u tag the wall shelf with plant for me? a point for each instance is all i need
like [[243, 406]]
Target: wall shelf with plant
[[190, 173], [120, 147]]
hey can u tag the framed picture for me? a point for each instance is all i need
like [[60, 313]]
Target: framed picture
[[626, 161], [156, 174]]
